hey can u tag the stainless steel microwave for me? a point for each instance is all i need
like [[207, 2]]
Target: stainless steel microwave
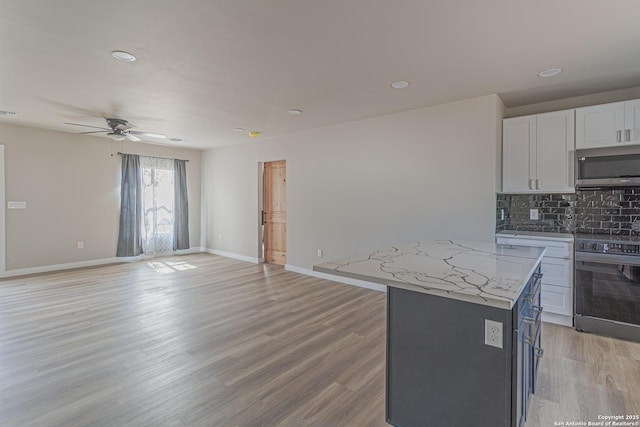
[[608, 167]]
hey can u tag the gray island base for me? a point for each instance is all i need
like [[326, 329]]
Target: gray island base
[[463, 330]]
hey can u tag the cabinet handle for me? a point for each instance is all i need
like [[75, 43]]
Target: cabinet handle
[[619, 136], [537, 183], [538, 308], [628, 134], [539, 352]]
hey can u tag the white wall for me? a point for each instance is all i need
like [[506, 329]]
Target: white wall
[[426, 173], [575, 102], [72, 188]]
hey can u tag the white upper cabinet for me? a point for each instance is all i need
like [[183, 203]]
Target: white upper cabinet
[[632, 122], [538, 153], [608, 125], [518, 153]]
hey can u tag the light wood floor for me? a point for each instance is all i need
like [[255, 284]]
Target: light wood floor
[[202, 340]]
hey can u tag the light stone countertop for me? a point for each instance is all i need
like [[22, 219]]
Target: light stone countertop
[[540, 235], [480, 272]]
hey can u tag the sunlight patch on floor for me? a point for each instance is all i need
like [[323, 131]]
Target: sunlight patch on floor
[[166, 267]]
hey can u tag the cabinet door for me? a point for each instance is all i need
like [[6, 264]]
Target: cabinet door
[[600, 125], [557, 299], [555, 152], [557, 271], [632, 122], [519, 154]]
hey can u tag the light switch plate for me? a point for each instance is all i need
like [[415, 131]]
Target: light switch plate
[[16, 205]]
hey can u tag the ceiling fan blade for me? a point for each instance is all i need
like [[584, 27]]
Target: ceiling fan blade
[[95, 131], [87, 126], [131, 137], [149, 134]]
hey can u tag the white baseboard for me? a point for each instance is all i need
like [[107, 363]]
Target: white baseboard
[[189, 251], [558, 319], [68, 266], [89, 263], [334, 278], [232, 255]]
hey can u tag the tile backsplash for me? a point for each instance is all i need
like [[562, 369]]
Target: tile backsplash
[[614, 211], [556, 212]]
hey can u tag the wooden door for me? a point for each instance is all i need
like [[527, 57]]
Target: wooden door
[[275, 212]]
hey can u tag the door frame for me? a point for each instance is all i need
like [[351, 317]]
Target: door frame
[[259, 211], [2, 214]]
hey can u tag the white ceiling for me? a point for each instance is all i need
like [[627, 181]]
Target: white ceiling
[[205, 67]]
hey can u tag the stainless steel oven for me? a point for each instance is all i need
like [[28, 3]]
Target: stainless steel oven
[[607, 287]]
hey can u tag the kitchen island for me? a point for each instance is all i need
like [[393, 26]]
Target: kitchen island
[[463, 329]]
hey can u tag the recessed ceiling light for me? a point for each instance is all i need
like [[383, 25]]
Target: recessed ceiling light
[[254, 134], [238, 129], [8, 113], [175, 140], [295, 112], [400, 84], [550, 72], [123, 56]]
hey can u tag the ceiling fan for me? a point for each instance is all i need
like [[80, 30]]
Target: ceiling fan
[[118, 130]]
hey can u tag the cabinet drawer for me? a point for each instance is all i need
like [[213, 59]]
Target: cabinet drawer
[[557, 271], [557, 299], [554, 249]]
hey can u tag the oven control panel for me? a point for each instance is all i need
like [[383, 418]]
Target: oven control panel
[[607, 247]]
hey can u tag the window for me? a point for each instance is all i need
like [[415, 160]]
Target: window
[[154, 206], [157, 205]]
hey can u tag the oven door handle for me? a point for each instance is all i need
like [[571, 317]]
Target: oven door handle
[[608, 258]]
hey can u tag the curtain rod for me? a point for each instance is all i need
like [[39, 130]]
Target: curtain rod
[[153, 157]]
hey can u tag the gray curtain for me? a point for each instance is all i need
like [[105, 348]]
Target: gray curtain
[[130, 232], [180, 207]]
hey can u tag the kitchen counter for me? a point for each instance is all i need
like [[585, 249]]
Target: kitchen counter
[[562, 237], [463, 332], [485, 273]]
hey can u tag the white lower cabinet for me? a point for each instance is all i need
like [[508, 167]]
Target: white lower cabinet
[[557, 274], [557, 300]]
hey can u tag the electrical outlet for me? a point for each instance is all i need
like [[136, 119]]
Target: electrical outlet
[[533, 213], [493, 333], [319, 253], [80, 245]]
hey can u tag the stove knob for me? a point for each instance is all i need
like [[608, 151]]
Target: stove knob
[[582, 246], [594, 247]]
